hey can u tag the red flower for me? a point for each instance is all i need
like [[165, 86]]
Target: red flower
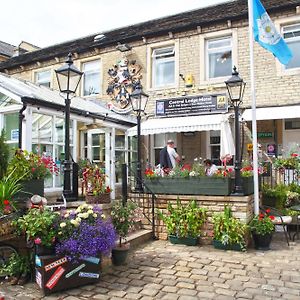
[[261, 216], [272, 218], [268, 211], [294, 155], [107, 190], [186, 167], [32, 169], [6, 202]]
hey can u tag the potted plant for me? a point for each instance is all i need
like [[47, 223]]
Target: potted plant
[[229, 232], [94, 180], [262, 229], [123, 219], [184, 222], [32, 169], [38, 224]]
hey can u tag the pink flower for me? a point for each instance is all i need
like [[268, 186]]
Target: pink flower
[[37, 241]]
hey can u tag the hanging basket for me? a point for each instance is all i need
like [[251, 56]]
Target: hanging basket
[[98, 199]]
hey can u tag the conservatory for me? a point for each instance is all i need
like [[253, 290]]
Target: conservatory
[[33, 119]]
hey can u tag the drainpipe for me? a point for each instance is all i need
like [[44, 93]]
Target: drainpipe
[[21, 117]]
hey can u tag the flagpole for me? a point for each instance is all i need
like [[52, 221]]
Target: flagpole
[[253, 97]]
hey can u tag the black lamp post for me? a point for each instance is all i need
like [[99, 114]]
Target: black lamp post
[[68, 78], [139, 101], [236, 87]]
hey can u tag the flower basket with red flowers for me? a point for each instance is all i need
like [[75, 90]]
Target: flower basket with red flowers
[[94, 179], [262, 228]]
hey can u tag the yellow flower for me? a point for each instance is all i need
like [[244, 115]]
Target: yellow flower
[[89, 211], [80, 215], [78, 210], [84, 205], [103, 216], [95, 215], [78, 219], [63, 224], [90, 207], [67, 215]]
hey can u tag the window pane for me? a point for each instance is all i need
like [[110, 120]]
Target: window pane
[[96, 139], [41, 128], [120, 142], [295, 61], [91, 80], [43, 78], [164, 73], [220, 64], [11, 127]]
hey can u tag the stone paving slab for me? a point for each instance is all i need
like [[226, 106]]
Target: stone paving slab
[[160, 270]]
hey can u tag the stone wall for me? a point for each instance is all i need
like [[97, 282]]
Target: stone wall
[[242, 208]]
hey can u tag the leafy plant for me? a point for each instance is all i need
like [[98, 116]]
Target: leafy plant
[[9, 186], [123, 218], [228, 229], [17, 265], [39, 226], [94, 180], [184, 220], [4, 154], [290, 162], [277, 193], [262, 224]]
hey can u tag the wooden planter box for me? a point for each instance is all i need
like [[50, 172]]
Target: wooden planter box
[[55, 273], [99, 199], [189, 186], [188, 241]]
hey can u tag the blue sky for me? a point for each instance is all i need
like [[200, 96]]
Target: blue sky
[[48, 22]]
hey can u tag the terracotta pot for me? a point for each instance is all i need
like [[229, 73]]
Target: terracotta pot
[[98, 199]]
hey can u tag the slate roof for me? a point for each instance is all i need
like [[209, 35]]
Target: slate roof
[[6, 49], [233, 10]]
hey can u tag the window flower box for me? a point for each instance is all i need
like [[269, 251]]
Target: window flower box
[[219, 186]]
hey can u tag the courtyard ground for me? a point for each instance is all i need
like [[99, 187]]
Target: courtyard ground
[[160, 270]]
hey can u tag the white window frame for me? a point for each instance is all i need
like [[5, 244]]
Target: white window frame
[[150, 64], [216, 50], [280, 24], [43, 82], [217, 81], [95, 71]]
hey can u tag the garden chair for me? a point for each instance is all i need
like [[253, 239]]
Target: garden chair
[[279, 219]]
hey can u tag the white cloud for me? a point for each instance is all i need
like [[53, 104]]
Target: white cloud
[[47, 22]]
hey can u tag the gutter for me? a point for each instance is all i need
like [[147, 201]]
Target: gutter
[[21, 117], [80, 112]]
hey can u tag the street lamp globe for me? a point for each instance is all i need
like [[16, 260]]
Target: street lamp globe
[[236, 87], [139, 100], [68, 76]]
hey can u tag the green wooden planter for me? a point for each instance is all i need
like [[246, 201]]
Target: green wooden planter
[[188, 241], [189, 186], [31, 187], [248, 185], [218, 245]]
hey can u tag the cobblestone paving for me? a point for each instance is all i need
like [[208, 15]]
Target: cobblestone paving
[[163, 271]]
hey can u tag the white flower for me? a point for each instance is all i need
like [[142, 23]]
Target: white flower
[[90, 211], [95, 215], [78, 219], [78, 210], [63, 224], [67, 215], [80, 215], [193, 173], [103, 216], [90, 207], [85, 215], [75, 223]]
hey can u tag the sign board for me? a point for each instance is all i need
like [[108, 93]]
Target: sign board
[[14, 134], [264, 134], [191, 105], [271, 149], [250, 147]]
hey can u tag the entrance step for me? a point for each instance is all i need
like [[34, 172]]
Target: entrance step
[[139, 237]]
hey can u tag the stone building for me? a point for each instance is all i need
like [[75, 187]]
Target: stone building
[[182, 62]]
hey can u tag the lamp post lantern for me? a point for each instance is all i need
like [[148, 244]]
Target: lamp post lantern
[[68, 78], [236, 87], [138, 102]]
